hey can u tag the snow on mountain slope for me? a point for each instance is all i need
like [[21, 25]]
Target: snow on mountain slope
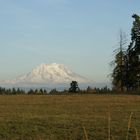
[[48, 73]]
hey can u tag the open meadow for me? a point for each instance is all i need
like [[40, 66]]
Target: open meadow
[[70, 117]]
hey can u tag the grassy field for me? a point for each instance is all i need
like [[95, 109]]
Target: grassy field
[[76, 117]]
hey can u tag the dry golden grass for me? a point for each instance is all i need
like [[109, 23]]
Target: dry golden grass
[[76, 117], [129, 125]]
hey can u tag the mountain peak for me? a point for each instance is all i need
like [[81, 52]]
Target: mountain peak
[[49, 74]]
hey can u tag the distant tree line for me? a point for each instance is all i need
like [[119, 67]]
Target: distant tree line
[[126, 72], [18, 91], [74, 89]]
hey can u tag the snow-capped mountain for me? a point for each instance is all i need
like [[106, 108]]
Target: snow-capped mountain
[[48, 74]]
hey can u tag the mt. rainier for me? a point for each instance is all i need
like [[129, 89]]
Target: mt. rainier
[[48, 74]]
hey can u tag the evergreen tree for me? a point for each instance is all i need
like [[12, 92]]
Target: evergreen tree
[[119, 72], [133, 56], [74, 87], [126, 73]]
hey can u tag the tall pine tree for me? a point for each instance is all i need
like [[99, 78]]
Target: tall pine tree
[[119, 72], [133, 56]]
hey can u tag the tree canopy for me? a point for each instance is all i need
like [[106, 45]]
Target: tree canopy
[[126, 73]]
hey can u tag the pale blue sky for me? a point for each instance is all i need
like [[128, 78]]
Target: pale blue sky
[[81, 34]]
